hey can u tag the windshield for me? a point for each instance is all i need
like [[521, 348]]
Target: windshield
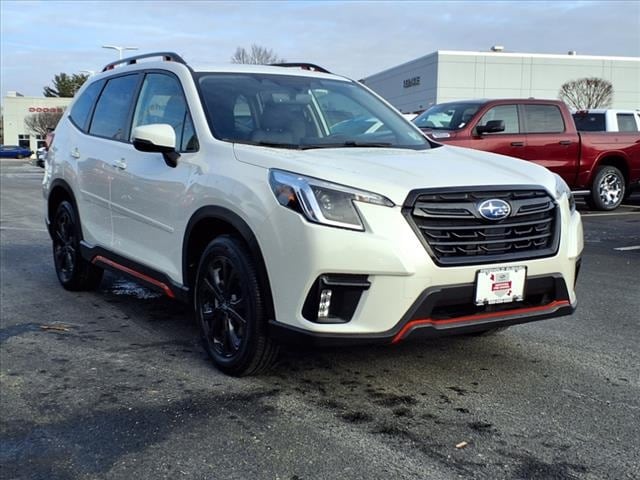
[[301, 112], [447, 116]]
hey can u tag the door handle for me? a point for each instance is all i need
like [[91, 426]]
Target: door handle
[[517, 144], [565, 142], [120, 164], [75, 153]]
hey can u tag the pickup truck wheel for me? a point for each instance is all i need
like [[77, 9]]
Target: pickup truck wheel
[[230, 309], [74, 272], [607, 189]]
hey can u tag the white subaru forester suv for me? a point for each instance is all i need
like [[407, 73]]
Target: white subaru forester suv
[[261, 195]]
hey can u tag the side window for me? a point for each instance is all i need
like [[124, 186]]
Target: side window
[[161, 101], [112, 110], [543, 119], [82, 106], [507, 113], [626, 122], [589, 122]]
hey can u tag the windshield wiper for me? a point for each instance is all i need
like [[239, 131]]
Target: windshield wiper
[[348, 144], [273, 144]]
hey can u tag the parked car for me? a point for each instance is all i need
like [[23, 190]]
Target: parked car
[[41, 156], [277, 228], [607, 120], [603, 166], [14, 151]]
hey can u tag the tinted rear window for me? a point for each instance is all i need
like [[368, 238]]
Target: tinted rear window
[[82, 106], [589, 122], [543, 119], [111, 116]]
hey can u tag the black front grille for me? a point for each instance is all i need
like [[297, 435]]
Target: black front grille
[[454, 232]]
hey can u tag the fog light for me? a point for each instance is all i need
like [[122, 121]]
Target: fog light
[[325, 303]]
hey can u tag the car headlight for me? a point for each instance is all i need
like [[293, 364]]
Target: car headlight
[[322, 202], [563, 189]]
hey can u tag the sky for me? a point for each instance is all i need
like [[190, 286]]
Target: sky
[[354, 38]]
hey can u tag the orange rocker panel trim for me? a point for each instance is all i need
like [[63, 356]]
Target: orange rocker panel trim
[[163, 286]]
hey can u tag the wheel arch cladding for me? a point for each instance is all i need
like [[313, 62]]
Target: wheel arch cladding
[[59, 192], [210, 222]]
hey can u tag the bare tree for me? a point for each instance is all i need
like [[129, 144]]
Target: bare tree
[[587, 93], [41, 123], [257, 56]]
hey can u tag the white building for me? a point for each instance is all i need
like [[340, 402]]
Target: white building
[[17, 107], [447, 75]]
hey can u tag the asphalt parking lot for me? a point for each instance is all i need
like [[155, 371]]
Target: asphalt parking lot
[[114, 384]]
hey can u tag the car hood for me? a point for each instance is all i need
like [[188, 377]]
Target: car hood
[[395, 172]]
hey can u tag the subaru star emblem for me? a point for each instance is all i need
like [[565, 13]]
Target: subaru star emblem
[[494, 209]]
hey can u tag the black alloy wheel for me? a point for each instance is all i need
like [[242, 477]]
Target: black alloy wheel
[[74, 272], [230, 311]]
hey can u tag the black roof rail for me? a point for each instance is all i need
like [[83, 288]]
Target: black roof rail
[[166, 56], [304, 66]]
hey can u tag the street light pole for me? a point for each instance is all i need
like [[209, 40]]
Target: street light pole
[[119, 49]]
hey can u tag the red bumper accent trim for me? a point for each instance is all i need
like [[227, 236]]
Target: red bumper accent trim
[[480, 316], [163, 286]]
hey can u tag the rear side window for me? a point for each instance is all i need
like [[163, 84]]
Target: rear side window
[[626, 122], [543, 119], [111, 116], [83, 104], [507, 113], [589, 122]]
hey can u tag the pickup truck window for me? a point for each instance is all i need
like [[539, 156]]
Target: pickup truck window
[[589, 122], [507, 113], [626, 122], [447, 116], [543, 119]]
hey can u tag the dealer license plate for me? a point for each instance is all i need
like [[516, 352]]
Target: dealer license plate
[[500, 285]]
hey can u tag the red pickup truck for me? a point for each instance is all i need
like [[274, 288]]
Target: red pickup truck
[[604, 165]]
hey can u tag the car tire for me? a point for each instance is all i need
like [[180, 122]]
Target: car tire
[[230, 311], [74, 272], [19, 157], [607, 189]]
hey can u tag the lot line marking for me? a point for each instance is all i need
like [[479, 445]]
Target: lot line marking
[[24, 229], [624, 249], [608, 214]]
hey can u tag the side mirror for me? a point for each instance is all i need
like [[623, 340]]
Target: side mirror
[[492, 126], [157, 137]]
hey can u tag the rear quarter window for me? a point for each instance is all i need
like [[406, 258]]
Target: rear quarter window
[[111, 116], [543, 119], [84, 103]]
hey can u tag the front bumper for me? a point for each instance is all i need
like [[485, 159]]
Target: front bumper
[[403, 279], [424, 319]]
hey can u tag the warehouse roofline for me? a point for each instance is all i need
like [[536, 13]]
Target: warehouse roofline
[[558, 56]]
